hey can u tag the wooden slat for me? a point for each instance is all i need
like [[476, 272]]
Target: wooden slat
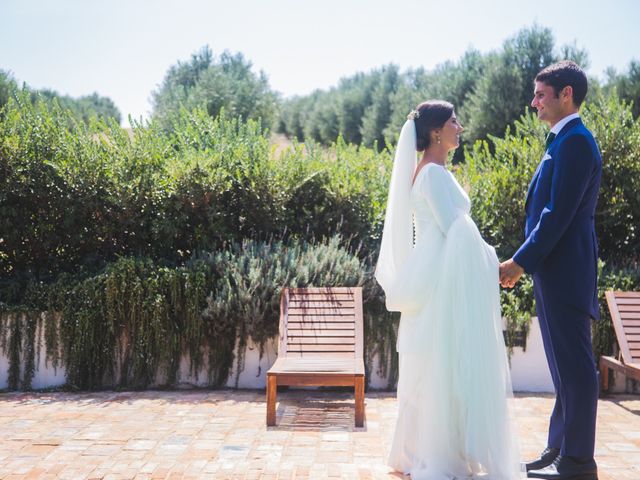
[[316, 379], [321, 307], [306, 304], [321, 311], [328, 355], [321, 296], [633, 339], [612, 303], [630, 315], [320, 348], [627, 294], [630, 323], [282, 326], [314, 363], [323, 325], [319, 369], [629, 308], [321, 290], [628, 301], [632, 330], [348, 299], [321, 341], [321, 333], [322, 318], [359, 325]]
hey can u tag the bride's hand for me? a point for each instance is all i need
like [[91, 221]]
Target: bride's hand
[[510, 273]]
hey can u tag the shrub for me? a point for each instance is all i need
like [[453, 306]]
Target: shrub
[[498, 179], [131, 323], [74, 198]]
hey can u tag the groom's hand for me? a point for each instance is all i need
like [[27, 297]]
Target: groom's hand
[[510, 273]]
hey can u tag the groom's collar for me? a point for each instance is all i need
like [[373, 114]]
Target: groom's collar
[[560, 125]]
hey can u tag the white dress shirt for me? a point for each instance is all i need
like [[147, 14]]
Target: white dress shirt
[[558, 126]]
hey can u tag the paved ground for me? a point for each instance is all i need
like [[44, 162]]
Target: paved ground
[[222, 435]]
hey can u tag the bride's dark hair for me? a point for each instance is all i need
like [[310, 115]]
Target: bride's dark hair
[[432, 115]]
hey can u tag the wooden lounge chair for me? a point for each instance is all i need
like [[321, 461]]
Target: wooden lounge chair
[[321, 343], [625, 315]]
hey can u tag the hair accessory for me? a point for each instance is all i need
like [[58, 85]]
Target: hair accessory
[[413, 114]]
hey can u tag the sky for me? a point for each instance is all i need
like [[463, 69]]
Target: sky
[[122, 49]]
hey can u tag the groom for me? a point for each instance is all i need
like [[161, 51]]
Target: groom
[[560, 251]]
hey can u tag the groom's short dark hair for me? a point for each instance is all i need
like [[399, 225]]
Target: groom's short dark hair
[[562, 74]]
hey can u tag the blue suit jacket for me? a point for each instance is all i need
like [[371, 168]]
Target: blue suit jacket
[[560, 247]]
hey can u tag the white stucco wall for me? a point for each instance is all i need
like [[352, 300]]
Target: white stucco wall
[[528, 369]]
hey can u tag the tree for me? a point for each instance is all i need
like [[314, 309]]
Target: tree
[[354, 96], [7, 85], [495, 101], [450, 81], [503, 92], [293, 115], [505, 89], [84, 108], [215, 84], [378, 113], [489, 91], [627, 85]]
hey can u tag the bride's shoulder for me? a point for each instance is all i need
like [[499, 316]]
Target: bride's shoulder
[[434, 180], [432, 172], [435, 167]]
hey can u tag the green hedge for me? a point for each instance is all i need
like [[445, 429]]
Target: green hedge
[[76, 198], [111, 228], [144, 316]]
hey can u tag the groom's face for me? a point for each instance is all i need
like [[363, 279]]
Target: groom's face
[[547, 104]]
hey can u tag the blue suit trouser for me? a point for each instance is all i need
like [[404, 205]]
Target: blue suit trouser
[[566, 335]]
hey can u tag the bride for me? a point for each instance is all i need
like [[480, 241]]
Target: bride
[[436, 270]]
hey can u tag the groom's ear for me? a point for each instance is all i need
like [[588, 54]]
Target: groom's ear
[[567, 93]]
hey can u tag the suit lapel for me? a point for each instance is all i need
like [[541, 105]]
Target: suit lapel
[[534, 179]]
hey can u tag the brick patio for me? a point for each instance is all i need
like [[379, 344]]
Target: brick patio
[[222, 435]]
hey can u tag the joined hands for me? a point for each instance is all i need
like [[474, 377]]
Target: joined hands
[[510, 273]]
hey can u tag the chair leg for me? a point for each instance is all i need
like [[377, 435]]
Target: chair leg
[[604, 377], [359, 393], [272, 389]]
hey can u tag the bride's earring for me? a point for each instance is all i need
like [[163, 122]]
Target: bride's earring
[[438, 139]]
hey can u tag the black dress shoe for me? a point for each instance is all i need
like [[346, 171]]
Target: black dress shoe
[[547, 457], [566, 468]]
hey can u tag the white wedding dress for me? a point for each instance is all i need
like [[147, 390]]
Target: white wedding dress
[[454, 381]]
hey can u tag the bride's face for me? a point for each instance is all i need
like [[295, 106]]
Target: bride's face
[[450, 133]]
